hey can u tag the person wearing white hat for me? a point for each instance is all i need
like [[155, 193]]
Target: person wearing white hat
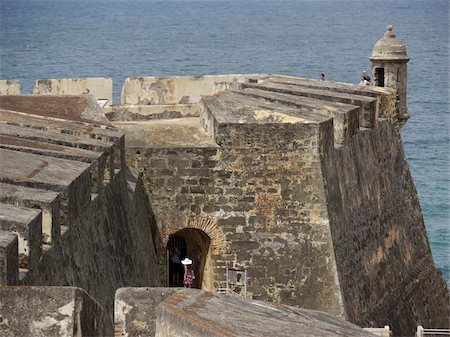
[[188, 272]]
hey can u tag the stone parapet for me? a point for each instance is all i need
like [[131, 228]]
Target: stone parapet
[[9, 258], [79, 108], [51, 312], [47, 201], [173, 90], [386, 97], [206, 314], [173, 312], [99, 87], [27, 224], [136, 310], [150, 112], [52, 164], [367, 104], [9, 87]]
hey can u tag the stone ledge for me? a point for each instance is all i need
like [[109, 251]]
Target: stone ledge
[[51, 312], [367, 104], [27, 224], [135, 310], [9, 258], [345, 116], [47, 201], [194, 312]]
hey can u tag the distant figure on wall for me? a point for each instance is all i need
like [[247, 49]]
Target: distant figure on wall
[[322, 77], [188, 272], [365, 76], [176, 266], [364, 81]]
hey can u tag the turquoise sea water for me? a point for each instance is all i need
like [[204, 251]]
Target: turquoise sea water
[[122, 38]]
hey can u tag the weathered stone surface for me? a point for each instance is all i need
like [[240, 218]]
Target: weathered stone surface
[[78, 108], [51, 312], [386, 270], [107, 246], [9, 87], [47, 201], [9, 258], [171, 133], [150, 112], [279, 197], [249, 176], [345, 116], [386, 97], [100, 88], [78, 169], [173, 90], [367, 104], [29, 168], [197, 313], [136, 309], [27, 224], [64, 126], [277, 177]]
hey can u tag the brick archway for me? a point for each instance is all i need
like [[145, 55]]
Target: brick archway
[[207, 225]]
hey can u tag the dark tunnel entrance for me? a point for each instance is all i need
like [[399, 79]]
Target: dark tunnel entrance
[[192, 243]]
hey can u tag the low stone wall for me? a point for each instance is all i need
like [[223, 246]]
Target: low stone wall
[[136, 310], [72, 107], [174, 90], [150, 112], [51, 312], [9, 87], [100, 87], [163, 312]]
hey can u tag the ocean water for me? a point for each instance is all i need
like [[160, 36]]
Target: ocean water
[[122, 38]]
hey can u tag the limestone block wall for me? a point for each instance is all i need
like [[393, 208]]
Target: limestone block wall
[[77, 215], [172, 312], [9, 87], [149, 112], [72, 107], [51, 312], [180, 182], [318, 220], [9, 257], [260, 199], [100, 87], [279, 228], [173, 90], [108, 245], [386, 271]]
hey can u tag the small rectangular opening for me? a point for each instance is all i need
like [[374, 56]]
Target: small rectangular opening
[[379, 76]]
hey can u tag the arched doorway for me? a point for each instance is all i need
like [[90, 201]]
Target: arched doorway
[[195, 244]]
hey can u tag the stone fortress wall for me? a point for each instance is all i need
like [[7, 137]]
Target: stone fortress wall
[[71, 213], [302, 183], [310, 194]]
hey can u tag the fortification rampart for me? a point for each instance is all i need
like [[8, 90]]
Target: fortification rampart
[[270, 179], [70, 206], [100, 87], [301, 183], [9, 87]]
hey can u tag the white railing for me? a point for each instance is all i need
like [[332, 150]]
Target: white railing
[[381, 332], [421, 332]]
